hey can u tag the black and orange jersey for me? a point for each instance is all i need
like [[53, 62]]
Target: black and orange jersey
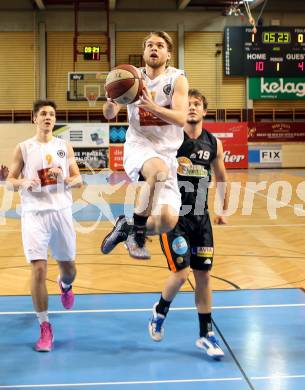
[[194, 171]]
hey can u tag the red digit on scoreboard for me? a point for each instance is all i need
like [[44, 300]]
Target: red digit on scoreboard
[[301, 66], [259, 66]]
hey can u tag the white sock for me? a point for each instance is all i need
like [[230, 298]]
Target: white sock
[[65, 286], [42, 316]]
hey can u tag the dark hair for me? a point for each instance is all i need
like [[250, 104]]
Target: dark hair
[[41, 103], [163, 35], [197, 94]]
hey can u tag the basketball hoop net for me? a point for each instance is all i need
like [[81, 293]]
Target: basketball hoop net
[[92, 98], [251, 18]]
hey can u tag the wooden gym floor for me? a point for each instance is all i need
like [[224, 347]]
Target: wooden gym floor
[[263, 245]]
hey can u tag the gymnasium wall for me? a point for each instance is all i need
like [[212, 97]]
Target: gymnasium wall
[[60, 62], [203, 33], [19, 76], [112, 136], [19, 68], [13, 134]]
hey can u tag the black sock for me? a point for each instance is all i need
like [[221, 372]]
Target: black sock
[[205, 323], [163, 306], [139, 221]]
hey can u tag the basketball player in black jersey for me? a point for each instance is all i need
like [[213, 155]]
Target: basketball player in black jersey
[[190, 243]]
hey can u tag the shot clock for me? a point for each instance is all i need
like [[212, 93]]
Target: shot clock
[[92, 53], [271, 52]]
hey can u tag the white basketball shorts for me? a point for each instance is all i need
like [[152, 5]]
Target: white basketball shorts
[[135, 156], [48, 229]]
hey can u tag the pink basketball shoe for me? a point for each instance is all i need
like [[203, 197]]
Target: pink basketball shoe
[[45, 342], [67, 296]]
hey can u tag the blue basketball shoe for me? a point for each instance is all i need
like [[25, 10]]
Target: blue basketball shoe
[[118, 234], [210, 345], [155, 325]]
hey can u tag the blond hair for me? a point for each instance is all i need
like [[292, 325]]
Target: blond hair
[[163, 35]]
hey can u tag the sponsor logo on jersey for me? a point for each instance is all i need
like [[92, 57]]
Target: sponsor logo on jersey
[[179, 245], [149, 119], [203, 251], [179, 260], [187, 168], [61, 153], [207, 262]]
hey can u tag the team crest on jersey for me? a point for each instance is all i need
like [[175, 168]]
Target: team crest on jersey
[[61, 153], [167, 89]]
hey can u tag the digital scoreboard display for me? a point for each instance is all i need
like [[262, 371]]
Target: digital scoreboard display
[[92, 53], [271, 52]]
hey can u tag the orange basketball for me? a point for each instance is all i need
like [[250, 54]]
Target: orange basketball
[[124, 84]]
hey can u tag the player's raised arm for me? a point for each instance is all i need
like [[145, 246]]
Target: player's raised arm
[[178, 112]]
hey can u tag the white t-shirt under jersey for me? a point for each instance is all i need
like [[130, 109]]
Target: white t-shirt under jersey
[[146, 128], [37, 156]]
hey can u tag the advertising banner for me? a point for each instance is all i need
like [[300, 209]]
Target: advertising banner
[[228, 132], [83, 134], [277, 88], [235, 156], [117, 133], [234, 140], [269, 156], [116, 154], [91, 158], [276, 131]]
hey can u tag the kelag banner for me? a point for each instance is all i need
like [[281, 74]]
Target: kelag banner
[[276, 131], [277, 88]]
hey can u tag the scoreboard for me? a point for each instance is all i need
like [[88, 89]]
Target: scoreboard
[[273, 51]]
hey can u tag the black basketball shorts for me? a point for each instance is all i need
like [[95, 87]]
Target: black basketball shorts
[[190, 243]]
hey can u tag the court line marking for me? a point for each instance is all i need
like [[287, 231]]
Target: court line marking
[[258, 378], [229, 379], [149, 310], [125, 383], [214, 227]]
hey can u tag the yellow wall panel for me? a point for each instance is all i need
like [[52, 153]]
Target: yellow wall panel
[[204, 68], [18, 70]]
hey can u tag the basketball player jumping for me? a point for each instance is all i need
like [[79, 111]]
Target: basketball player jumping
[[153, 137], [190, 243], [44, 169]]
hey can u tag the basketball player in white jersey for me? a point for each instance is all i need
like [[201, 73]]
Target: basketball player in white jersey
[[153, 137], [44, 170]]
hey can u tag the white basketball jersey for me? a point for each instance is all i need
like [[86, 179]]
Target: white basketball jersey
[[38, 157], [144, 127]]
